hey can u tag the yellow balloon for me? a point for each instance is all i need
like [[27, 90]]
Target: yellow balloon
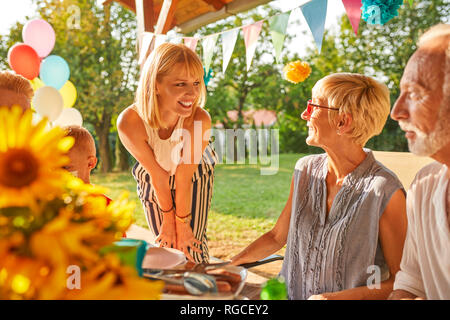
[[69, 94], [36, 83]]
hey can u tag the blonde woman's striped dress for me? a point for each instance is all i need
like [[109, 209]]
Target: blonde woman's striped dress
[[202, 190]]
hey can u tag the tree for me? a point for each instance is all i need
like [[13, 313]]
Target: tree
[[239, 89], [383, 51], [98, 43], [378, 51]]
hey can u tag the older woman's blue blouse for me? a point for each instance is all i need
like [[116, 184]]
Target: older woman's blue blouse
[[342, 250]]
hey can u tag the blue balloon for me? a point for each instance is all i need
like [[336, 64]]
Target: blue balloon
[[54, 71]]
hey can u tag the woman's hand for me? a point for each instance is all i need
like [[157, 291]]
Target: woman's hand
[[186, 239], [168, 235]]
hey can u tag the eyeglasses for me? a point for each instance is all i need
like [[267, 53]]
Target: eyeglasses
[[311, 105]]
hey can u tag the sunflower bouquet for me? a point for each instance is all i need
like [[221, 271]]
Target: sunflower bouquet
[[51, 223]]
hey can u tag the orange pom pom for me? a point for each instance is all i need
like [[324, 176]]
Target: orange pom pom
[[297, 71]]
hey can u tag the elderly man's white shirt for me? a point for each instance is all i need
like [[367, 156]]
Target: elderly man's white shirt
[[425, 265]]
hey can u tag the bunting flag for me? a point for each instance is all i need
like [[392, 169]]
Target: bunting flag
[[410, 2], [251, 34], [228, 42], [146, 41], [174, 39], [209, 44], [160, 39], [191, 42], [277, 26], [353, 9], [315, 13]]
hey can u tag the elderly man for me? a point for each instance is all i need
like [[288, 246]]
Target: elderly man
[[15, 89], [423, 112]]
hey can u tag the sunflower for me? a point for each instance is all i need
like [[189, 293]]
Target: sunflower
[[31, 159]]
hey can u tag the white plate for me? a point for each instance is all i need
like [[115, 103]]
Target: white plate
[[163, 258], [216, 296]]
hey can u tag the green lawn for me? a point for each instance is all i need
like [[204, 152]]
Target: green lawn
[[245, 203]]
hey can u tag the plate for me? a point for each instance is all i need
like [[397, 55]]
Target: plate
[[163, 258], [214, 296]]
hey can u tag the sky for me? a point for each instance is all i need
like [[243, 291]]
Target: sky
[[18, 10]]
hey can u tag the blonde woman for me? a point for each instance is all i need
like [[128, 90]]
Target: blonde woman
[[345, 219], [167, 130]]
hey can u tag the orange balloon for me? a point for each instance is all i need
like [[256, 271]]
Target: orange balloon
[[24, 60]]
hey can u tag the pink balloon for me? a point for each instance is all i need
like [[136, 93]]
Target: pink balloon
[[39, 35]]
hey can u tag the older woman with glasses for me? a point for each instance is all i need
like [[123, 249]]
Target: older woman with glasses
[[344, 222]]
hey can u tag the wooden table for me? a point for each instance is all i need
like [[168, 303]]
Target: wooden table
[[253, 286]]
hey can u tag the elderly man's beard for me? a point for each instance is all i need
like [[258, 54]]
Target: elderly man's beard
[[428, 144]]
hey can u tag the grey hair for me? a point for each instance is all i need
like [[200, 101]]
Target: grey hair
[[441, 32]]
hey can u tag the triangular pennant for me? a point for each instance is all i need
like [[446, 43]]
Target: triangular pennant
[[191, 42], [410, 2], [277, 26], [315, 13], [160, 39], [353, 8], [228, 42], [208, 44], [174, 39], [146, 41], [251, 34]]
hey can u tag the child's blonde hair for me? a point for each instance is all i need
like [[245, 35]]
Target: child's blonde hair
[[84, 142], [364, 98], [158, 64]]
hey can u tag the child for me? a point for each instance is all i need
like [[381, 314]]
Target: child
[[82, 154]]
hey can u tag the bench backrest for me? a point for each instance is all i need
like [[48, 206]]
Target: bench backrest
[[404, 164]]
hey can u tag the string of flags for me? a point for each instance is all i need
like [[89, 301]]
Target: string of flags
[[314, 12]]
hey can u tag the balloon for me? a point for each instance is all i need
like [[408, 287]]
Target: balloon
[[69, 94], [54, 71], [69, 117], [36, 83], [48, 102], [24, 60], [39, 35]]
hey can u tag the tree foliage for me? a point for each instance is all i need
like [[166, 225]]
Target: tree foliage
[[98, 43]]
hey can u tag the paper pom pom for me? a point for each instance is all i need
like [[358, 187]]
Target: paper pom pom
[[380, 11], [297, 71]]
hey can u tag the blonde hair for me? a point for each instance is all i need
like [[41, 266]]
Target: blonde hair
[[364, 98], [84, 142], [158, 64], [15, 82]]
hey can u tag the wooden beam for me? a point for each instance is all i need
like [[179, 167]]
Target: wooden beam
[[166, 16], [149, 16], [140, 22], [232, 8], [217, 4], [129, 4]]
